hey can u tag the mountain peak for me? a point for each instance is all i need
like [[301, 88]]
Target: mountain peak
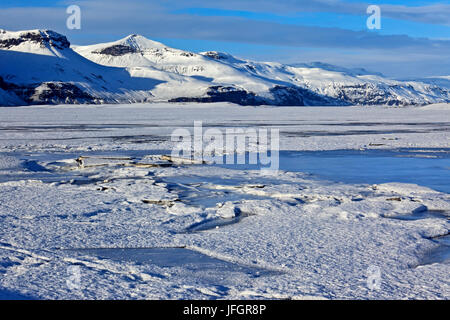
[[132, 43], [134, 35], [139, 42], [45, 38]]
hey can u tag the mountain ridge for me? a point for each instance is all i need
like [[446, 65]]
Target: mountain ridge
[[41, 67]]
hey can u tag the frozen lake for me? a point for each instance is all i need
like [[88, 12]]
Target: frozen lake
[[88, 186], [425, 167]]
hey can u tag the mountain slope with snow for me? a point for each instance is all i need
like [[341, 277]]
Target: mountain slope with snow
[[40, 67], [274, 83]]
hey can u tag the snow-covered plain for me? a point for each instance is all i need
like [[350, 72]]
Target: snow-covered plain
[[137, 230]]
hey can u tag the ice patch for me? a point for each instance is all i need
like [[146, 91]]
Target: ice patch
[[173, 257]]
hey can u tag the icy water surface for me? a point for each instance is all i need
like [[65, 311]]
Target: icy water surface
[[424, 167], [428, 168], [440, 254]]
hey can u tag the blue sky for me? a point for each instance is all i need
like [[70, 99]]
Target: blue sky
[[414, 39]]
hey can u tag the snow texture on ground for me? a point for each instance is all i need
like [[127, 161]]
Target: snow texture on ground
[[137, 227]]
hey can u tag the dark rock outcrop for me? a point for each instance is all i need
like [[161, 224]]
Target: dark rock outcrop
[[214, 55], [48, 93], [44, 38], [279, 96], [298, 96], [60, 92], [224, 94], [117, 50]]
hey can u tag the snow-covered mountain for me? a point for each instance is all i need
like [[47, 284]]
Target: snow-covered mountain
[[442, 81], [40, 67]]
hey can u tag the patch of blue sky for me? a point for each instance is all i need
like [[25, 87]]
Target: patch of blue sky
[[334, 20], [30, 3], [408, 3]]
